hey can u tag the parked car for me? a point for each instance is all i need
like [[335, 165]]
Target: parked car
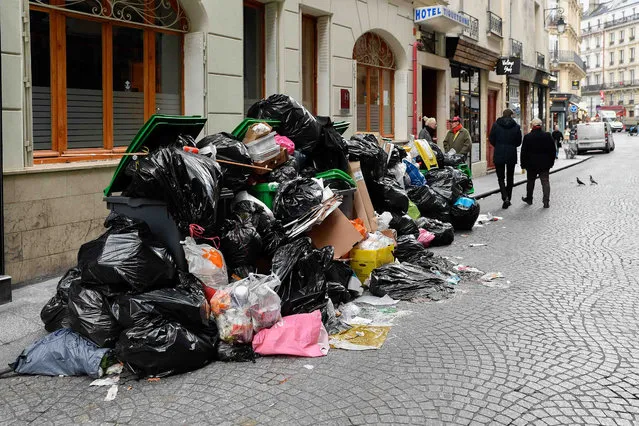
[[594, 135], [616, 125]]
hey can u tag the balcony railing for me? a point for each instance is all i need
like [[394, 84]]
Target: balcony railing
[[611, 42], [516, 48], [631, 38], [623, 84], [620, 102], [567, 56], [471, 31], [620, 61], [622, 20], [611, 63], [541, 60], [620, 40], [494, 24]]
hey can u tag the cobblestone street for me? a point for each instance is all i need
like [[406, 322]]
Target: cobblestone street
[[557, 343]]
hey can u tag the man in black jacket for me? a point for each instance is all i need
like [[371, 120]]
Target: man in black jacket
[[505, 136], [537, 157]]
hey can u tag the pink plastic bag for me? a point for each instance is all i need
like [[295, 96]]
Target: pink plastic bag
[[425, 237], [286, 143], [296, 335]]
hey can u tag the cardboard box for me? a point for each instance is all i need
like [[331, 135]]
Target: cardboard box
[[256, 131], [361, 200], [337, 231]]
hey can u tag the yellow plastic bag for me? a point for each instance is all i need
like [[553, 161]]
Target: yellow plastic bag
[[364, 261]]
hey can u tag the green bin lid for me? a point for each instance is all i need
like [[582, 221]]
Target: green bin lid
[[158, 131], [336, 174]]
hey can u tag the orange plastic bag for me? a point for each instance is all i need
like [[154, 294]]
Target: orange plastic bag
[[359, 225]]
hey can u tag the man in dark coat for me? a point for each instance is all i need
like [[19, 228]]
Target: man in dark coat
[[537, 157], [505, 136]]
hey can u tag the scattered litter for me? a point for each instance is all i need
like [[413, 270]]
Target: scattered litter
[[485, 218], [106, 381], [153, 379], [477, 245], [308, 366], [112, 393], [115, 369], [464, 268], [385, 300], [360, 338], [491, 276]]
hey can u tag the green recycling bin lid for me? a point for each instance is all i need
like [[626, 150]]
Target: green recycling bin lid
[[336, 174], [158, 131]]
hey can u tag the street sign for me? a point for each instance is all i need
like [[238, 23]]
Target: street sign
[[575, 84], [573, 108], [507, 66]]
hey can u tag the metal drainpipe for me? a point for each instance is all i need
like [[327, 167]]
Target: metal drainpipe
[[5, 281]]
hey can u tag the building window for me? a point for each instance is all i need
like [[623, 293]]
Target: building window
[[621, 76], [587, 80], [96, 79], [612, 58], [254, 57], [309, 63], [632, 76], [598, 56], [621, 34], [596, 78], [375, 84], [632, 32], [621, 56], [632, 54], [611, 77]]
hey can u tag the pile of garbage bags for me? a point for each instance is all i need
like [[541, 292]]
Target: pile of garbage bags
[[310, 219]]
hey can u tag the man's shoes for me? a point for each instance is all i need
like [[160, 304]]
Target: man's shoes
[[506, 204], [546, 205], [526, 200]]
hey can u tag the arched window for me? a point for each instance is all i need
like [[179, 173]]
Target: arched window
[[375, 84], [99, 70]]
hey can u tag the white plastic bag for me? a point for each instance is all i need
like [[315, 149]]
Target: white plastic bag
[[264, 301], [206, 263]]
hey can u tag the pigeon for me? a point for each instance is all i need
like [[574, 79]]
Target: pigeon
[[592, 181], [580, 182]]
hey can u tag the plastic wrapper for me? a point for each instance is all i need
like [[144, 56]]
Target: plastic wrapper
[[188, 183], [454, 160], [373, 160], [61, 353], [429, 202], [425, 237], [332, 150], [387, 195], [161, 347], [206, 263], [286, 172], [296, 122], [375, 241], [384, 220], [227, 352], [249, 209], [55, 313], [90, 315], [464, 215], [443, 231], [184, 303], [241, 245], [406, 281], [230, 149], [300, 268], [285, 143], [125, 258], [404, 225], [295, 198], [264, 303]]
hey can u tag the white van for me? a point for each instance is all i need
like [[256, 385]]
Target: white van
[[594, 135]]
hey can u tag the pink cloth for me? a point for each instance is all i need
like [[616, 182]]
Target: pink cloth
[[425, 237], [297, 335], [286, 143]]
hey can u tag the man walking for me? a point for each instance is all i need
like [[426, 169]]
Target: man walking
[[505, 136], [557, 137], [537, 157], [458, 138]]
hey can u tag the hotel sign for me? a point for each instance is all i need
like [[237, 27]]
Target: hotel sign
[[431, 12]]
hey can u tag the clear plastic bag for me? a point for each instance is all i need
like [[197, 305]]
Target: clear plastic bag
[[206, 263], [264, 301], [231, 309]]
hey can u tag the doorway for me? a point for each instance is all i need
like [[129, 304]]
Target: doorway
[[490, 117], [429, 94]]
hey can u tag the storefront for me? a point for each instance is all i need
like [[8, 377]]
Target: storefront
[[564, 108], [527, 96]]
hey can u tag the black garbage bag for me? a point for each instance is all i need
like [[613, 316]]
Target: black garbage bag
[[406, 281], [443, 182], [296, 122], [339, 272], [387, 195], [404, 225], [463, 218], [248, 211], [125, 258], [295, 198], [55, 313], [90, 315], [228, 352], [429, 202], [396, 156], [241, 245], [462, 181], [373, 160], [454, 160], [308, 172], [161, 347], [273, 238], [185, 303], [286, 172], [439, 154], [410, 250], [332, 150], [300, 268], [230, 149], [444, 232], [188, 183]]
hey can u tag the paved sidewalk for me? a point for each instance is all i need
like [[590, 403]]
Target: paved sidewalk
[[487, 185]]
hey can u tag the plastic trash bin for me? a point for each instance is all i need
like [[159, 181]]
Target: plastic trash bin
[[265, 192], [157, 217]]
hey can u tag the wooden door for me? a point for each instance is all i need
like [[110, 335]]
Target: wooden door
[[490, 120]]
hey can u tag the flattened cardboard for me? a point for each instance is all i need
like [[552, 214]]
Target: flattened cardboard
[[337, 231], [362, 201]]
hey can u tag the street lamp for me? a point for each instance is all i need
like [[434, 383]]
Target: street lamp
[[561, 24]]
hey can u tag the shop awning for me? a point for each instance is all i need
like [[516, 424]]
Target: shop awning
[[468, 53], [534, 75], [440, 18]]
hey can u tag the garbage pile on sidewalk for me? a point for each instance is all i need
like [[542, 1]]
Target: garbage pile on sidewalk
[[251, 242]]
